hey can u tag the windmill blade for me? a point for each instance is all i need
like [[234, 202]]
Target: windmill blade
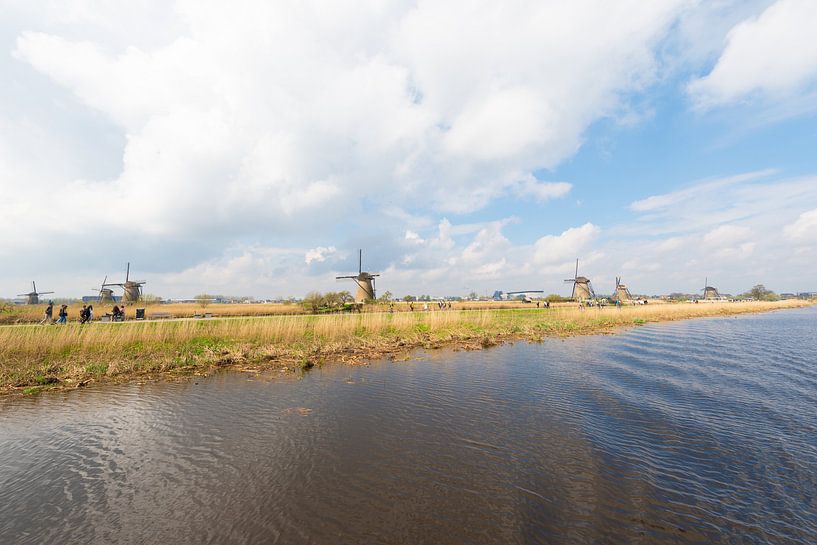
[[374, 288], [344, 277], [34, 287], [127, 272], [576, 275], [45, 292], [361, 286], [360, 261]]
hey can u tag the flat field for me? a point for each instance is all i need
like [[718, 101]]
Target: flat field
[[35, 357], [32, 314]]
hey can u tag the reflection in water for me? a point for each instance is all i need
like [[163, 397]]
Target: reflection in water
[[691, 432]]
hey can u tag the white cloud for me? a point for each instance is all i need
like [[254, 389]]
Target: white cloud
[[731, 233], [656, 203], [242, 144], [805, 228], [413, 237], [729, 229], [319, 254], [726, 235], [773, 55], [276, 115], [556, 249], [542, 191]]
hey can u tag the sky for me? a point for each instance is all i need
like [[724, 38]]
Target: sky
[[251, 147]]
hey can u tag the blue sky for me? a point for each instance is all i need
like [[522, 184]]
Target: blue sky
[[252, 149]]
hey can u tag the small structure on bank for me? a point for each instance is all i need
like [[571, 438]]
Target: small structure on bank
[[622, 293], [365, 282], [524, 293], [132, 288], [710, 292], [582, 288], [33, 297]]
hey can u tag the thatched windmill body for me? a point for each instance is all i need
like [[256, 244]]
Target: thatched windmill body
[[33, 297], [622, 292], [365, 282], [710, 292], [132, 289], [582, 288]]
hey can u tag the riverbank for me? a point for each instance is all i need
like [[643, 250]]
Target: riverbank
[[36, 358], [33, 314]]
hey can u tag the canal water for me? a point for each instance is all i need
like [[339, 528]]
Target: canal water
[[702, 431]]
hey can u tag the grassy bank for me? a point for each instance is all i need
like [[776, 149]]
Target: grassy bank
[[40, 357], [32, 314]]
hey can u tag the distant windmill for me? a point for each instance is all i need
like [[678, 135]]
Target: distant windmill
[[622, 292], [105, 293], [582, 288], [34, 295], [709, 291], [365, 282], [132, 288]]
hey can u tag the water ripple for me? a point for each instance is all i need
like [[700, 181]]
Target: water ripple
[[688, 432]]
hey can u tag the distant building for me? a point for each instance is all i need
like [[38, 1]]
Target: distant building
[[95, 298], [788, 296], [807, 295]]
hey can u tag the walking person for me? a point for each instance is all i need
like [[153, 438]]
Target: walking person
[[48, 315], [90, 313], [83, 314], [63, 315]]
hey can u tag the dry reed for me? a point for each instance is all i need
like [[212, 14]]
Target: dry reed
[[33, 356]]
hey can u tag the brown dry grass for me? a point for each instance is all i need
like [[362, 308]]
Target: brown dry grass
[[32, 314], [33, 356]]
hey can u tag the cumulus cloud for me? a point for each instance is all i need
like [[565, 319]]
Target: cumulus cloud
[[269, 115], [731, 230], [241, 145], [554, 249], [711, 228], [773, 54], [542, 191], [319, 254], [726, 235], [805, 228]]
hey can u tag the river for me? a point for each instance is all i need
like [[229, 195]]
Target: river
[[700, 431]]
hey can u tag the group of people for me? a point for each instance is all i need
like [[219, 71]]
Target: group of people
[[86, 314]]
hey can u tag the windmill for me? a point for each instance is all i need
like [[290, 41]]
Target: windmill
[[622, 293], [34, 295], [132, 288], [709, 291], [365, 282], [582, 288], [105, 293]]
